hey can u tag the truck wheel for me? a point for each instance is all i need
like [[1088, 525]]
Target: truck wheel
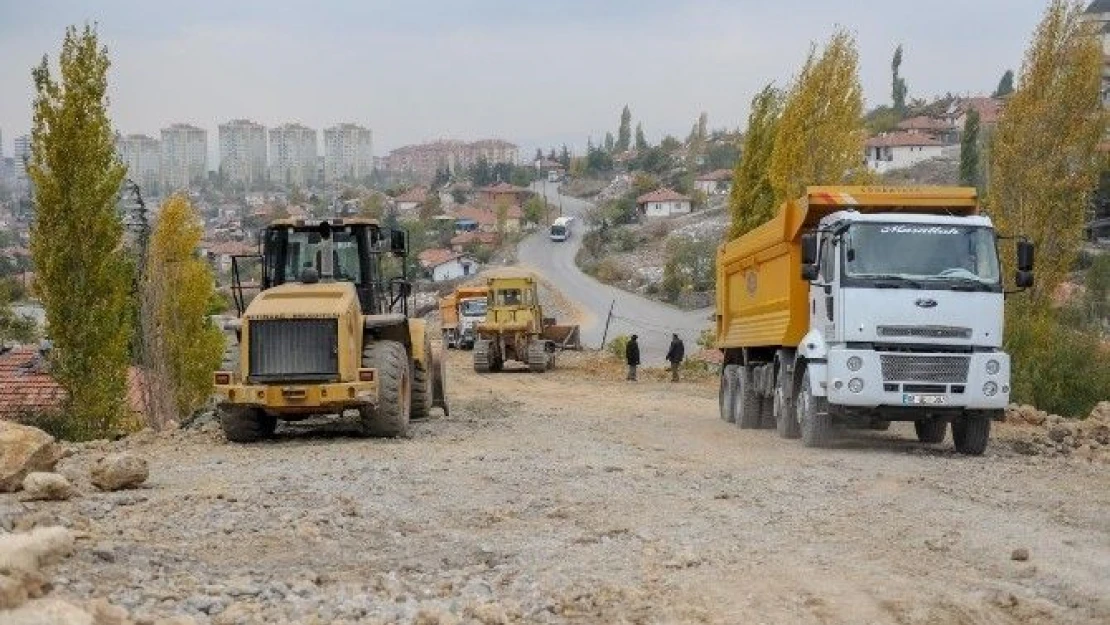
[[390, 416], [767, 412], [537, 357], [727, 395], [482, 357], [813, 415], [748, 404], [880, 425], [970, 434], [421, 384], [786, 422], [931, 431], [242, 424]]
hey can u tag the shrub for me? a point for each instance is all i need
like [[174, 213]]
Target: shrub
[[617, 346], [609, 271], [1058, 368]]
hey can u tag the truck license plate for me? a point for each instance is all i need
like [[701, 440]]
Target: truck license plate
[[923, 400]]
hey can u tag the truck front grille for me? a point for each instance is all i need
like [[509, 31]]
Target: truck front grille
[[294, 349], [926, 332], [913, 368]]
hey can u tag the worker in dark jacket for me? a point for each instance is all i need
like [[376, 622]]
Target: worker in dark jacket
[[632, 357], [675, 354]]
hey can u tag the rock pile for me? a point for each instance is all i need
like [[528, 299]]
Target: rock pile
[[23, 450], [1053, 435]]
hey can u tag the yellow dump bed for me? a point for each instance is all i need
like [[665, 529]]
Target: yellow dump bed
[[761, 297]]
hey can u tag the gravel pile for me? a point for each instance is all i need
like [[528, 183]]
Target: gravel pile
[[1045, 434]]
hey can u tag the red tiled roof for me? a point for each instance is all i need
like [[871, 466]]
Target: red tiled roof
[[418, 195], [484, 238], [717, 174], [928, 124], [26, 386], [990, 109], [486, 216], [902, 140], [662, 195], [503, 187]]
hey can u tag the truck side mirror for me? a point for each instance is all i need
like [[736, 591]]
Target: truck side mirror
[[809, 273], [809, 249], [1025, 256], [398, 242], [1023, 279]]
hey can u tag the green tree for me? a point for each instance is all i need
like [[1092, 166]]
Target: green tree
[[564, 157], [969, 151], [820, 138], [190, 346], [609, 142], [1040, 184], [83, 272], [624, 133], [14, 327], [641, 141], [1005, 85], [898, 86], [752, 199], [535, 210], [501, 210], [431, 207]]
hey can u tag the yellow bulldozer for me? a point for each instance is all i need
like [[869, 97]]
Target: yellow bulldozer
[[327, 333], [515, 328]]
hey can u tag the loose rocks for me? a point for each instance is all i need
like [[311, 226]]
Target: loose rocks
[[40, 486], [119, 471], [24, 449]]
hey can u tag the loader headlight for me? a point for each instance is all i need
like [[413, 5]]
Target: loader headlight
[[855, 363], [990, 389], [993, 367]]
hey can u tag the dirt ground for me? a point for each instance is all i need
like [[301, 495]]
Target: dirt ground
[[575, 497]]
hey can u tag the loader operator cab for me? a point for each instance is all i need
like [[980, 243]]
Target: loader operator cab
[[356, 251]]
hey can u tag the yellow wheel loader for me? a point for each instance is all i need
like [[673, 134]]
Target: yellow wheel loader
[[327, 333], [515, 329]]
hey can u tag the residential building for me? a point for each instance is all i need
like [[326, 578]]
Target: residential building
[[663, 202], [461, 242], [942, 130], [410, 201], [21, 155], [503, 192], [989, 109], [1098, 13], [445, 264], [717, 182], [28, 388], [898, 150], [184, 157], [243, 153], [348, 153], [293, 154], [142, 155], [422, 161], [484, 219]]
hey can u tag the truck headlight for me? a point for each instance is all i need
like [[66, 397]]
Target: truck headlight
[[855, 363], [993, 367], [990, 389], [855, 385]]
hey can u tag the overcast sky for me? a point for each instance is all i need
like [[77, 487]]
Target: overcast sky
[[530, 71]]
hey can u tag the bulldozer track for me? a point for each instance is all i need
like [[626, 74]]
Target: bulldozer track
[[482, 359], [537, 357]]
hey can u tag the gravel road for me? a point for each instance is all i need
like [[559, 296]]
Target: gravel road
[[573, 497], [653, 321]]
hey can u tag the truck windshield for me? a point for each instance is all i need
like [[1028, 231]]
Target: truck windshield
[[917, 252], [558, 231], [473, 307]]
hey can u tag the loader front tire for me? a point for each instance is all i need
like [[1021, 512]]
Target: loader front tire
[[243, 424], [390, 416], [422, 384]]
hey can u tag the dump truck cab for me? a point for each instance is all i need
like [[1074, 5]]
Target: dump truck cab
[[328, 331]]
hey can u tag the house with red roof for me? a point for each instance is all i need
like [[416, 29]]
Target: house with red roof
[[716, 182], [410, 201], [898, 150], [444, 264], [663, 202], [485, 216], [27, 388], [503, 191], [461, 241]]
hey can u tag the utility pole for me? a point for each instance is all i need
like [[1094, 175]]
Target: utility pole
[[608, 318]]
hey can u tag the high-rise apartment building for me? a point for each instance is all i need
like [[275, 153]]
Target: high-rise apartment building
[[421, 161], [143, 157], [21, 156], [293, 155], [184, 157], [348, 154], [243, 153]]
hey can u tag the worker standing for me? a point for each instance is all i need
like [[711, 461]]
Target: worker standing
[[632, 357], [675, 354]]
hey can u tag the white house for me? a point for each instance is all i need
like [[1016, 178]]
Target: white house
[[898, 150], [411, 200], [663, 203], [444, 264], [717, 182]]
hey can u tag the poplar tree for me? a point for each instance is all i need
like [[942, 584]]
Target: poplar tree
[[189, 344], [752, 199], [820, 138], [969, 150], [898, 84], [624, 133], [641, 141], [83, 272]]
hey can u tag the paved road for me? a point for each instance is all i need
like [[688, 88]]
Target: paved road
[[652, 321]]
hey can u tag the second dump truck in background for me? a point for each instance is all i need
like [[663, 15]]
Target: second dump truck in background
[[858, 306], [459, 313]]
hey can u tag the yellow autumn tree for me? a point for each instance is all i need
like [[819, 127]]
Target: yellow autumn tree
[[1043, 168], [820, 138], [187, 346], [752, 199]]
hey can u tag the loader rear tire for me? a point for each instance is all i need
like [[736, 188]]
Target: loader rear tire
[[421, 384], [242, 424], [390, 416], [230, 360], [439, 384]]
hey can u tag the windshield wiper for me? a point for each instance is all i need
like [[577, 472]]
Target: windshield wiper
[[968, 284], [898, 281]]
